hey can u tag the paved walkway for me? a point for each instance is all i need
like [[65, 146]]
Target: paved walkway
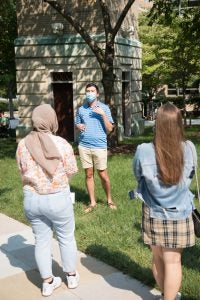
[[19, 278]]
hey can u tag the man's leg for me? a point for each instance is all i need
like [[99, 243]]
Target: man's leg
[[89, 178], [105, 180], [100, 163], [87, 163]]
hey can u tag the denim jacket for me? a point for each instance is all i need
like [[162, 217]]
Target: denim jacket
[[173, 202]]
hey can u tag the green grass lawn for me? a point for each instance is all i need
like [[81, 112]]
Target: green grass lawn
[[111, 236]]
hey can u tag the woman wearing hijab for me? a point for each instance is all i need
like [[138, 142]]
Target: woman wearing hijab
[[46, 162], [164, 169]]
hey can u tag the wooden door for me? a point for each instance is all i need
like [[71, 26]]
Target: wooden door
[[63, 104]]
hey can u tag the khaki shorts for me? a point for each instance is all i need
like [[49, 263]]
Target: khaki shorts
[[93, 157]]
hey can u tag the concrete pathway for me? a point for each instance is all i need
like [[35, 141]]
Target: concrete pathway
[[19, 278]]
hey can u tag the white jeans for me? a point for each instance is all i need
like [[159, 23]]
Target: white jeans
[[45, 213]]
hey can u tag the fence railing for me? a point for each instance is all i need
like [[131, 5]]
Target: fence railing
[[179, 91]]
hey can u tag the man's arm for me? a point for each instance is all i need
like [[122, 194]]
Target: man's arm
[[78, 124], [108, 125]]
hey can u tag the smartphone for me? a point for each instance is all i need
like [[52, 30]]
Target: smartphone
[[131, 195]]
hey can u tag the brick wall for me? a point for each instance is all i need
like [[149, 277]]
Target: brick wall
[[36, 17], [39, 53]]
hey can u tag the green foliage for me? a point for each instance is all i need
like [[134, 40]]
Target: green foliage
[[8, 32], [157, 43], [185, 58], [170, 54], [163, 11], [166, 11], [4, 105]]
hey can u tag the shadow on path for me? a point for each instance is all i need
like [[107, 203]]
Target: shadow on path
[[115, 280], [21, 255]]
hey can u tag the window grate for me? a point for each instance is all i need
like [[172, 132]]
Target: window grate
[[62, 76]]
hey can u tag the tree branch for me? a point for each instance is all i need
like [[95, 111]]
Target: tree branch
[[99, 53], [106, 18], [122, 17]]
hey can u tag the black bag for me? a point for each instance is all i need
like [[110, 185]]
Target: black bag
[[196, 220]]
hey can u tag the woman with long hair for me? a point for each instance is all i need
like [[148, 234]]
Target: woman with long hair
[[164, 169]]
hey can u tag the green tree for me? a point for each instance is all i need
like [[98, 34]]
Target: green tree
[[185, 64], [165, 11], [8, 33], [173, 36], [157, 47]]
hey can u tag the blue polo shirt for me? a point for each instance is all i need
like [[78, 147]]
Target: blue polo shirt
[[94, 135]]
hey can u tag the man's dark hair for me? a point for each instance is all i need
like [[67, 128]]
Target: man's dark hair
[[92, 84]]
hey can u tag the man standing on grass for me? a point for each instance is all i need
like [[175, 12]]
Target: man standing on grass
[[94, 121]]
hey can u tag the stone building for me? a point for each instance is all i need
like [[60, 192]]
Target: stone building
[[54, 63]]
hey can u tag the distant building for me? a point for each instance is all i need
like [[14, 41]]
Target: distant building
[[54, 63]]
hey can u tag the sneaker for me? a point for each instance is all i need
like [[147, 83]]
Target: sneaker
[[47, 288], [178, 296], [72, 280]]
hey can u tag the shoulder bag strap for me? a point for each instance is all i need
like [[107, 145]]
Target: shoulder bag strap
[[197, 182], [195, 168]]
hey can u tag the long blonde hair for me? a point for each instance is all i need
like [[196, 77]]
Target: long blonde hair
[[168, 140]]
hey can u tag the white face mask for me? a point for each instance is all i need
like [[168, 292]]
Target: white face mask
[[90, 96]]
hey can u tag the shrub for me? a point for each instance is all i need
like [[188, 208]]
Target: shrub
[[4, 106]]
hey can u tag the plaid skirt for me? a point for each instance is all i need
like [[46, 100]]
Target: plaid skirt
[[167, 233]]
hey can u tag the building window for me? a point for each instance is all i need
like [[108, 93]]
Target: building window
[[62, 77]]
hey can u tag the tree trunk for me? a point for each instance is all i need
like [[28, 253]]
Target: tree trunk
[[184, 104], [108, 80], [184, 116], [190, 118], [10, 99]]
